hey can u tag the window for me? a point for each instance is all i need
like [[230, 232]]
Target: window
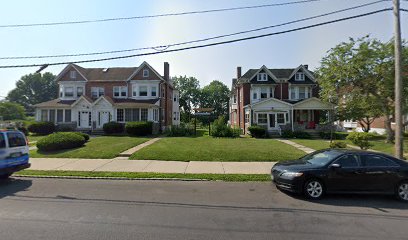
[[264, 92], [348, 161], [72, 74], [262, 77], [377, 161], [302, 93], [119, 115], [67, 115], [52, 115], [271, 90], [292, 93], [262, 118], [299, 76], [143, 91], [156, 115], [235, 98], [60, 115], [174, 116], [44, 115], [145, 72], [280, 118], [2, 141], [69, 92], [255, 96], [120, 92], [154, 91], [16, 140], [96, 92], [80, 91], [61, 91], [143, 114], [246, 117]]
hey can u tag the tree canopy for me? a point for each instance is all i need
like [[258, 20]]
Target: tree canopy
[[215, 95], [189, 90], [34, 88], [11, 111], [358, 76]]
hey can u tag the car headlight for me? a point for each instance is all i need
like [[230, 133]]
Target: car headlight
[[292, 174]]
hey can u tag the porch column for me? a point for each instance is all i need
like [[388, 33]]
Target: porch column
[[292, 119]]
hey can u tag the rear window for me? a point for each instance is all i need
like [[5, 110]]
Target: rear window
[[2, 141], [16, 140]]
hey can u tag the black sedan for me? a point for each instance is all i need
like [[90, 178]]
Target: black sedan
[[343, 171]]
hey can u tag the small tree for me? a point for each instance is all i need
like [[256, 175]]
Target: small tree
[[11, 111]]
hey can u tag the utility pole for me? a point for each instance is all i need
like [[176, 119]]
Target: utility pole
[[398, 82]]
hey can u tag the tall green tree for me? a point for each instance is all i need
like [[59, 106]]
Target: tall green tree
[[364, 69], [215, 95], [11, 111], [34, 88], [189, 89]]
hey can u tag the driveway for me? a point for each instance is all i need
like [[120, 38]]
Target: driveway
[[103, 209]]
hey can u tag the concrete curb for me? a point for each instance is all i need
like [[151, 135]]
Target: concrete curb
[[114, 178]]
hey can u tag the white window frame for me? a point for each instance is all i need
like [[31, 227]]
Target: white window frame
[[77, 92], [65, 91], [266, 119], [73, 74], [145, 72], [304, 92], [98, 91], [262, 77], [151, 91], [119, 91], [264, 90], [147, 91], [299, 76]]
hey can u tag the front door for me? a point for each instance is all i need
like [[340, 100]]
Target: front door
[[103, 117], [272, 120], [84, 119]]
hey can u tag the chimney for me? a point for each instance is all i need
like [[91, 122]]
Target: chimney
[[166, 71], [239, 72], [306, 66]]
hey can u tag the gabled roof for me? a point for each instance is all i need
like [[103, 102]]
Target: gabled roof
[[145, 64], [79, 69], [279, 74], [309, 78], [89, 100], [55, 103]]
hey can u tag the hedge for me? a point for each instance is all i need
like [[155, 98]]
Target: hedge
[[113, 127], [336, 135], [84, 135], [139, 128], [295, 134], [257, 131], [60, 141], [42, 128]]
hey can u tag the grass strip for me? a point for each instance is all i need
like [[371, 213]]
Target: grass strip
[[136, 175]]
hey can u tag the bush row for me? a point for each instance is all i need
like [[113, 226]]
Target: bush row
[[183, 130], [62, 140], [221, 129], [295, 134], [335, 135]]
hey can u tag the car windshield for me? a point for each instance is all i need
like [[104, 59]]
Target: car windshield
[[321, 158]]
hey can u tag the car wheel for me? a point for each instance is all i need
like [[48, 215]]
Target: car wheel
[[314, 189], [5, 176], [402, 191]]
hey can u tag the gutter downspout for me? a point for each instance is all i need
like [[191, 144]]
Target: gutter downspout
[[292, 120]]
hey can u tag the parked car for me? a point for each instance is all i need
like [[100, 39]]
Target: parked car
[[343, 171], [14, 152]]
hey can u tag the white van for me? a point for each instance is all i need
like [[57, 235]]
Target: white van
[[14, 152]]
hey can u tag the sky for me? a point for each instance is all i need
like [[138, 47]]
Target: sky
[[206, 64]]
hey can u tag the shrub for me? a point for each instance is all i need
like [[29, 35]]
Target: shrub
[[139, 128], [113, 127], [221, 129], [180, 131], [360, 139], [60, 141], [42, 128], [295, 134], [23, 130], [337, 144], [336, 135], [84, 135], [287, 134], [257, 131], [64, 128]]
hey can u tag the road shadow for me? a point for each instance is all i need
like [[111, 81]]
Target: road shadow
[[11, 186], [376, 201]]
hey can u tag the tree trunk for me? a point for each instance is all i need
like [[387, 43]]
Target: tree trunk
[[390, 132]]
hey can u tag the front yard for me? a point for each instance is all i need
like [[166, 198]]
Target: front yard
[[218, 149], [105, 147]]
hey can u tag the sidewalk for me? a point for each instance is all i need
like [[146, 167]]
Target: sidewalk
[[118, 165]]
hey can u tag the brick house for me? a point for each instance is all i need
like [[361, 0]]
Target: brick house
[[276, 99], [91, 97]]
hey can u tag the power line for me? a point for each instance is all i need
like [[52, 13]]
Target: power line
[[202, 46], [165, 47], [154, 16]]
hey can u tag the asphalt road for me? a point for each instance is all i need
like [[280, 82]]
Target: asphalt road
[[101, 209]]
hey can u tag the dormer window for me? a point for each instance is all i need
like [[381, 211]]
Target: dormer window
[[145, 72], [300, 76], [72, 74], [262, 77]]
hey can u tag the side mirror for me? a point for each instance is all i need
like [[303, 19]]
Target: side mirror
[[335, 165]]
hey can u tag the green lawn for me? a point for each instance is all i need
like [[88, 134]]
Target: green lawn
[[34, 138], [218, 149], [105, 147], [315, 144]]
